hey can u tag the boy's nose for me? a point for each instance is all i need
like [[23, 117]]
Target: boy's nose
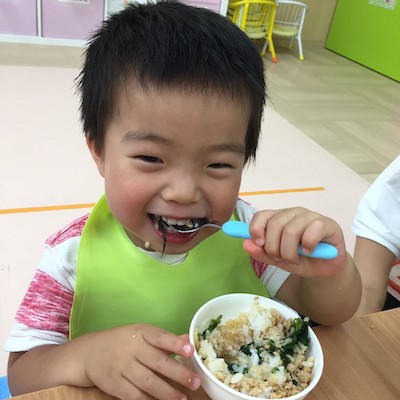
[[182, 190]]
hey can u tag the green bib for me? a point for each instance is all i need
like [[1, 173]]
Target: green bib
[[118, 284]]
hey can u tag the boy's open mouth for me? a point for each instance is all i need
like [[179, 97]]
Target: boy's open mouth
[[174, 225]]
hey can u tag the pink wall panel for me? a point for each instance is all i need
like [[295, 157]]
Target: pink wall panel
[[210, 4], [18, 17], [71, 20]]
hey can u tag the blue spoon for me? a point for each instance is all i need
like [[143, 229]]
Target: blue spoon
[[241, 230]]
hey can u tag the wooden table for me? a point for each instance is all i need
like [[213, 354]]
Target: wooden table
[[362, 361]]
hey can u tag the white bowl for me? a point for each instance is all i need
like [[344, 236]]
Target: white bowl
[[230, 306]]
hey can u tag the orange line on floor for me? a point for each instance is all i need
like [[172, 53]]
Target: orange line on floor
[[45, 208], [90, 205], [279, 191]]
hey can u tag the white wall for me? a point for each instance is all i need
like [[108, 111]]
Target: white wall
[[318, 19]]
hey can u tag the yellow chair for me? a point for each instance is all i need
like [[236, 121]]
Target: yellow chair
[[256, 19], [289, 21]]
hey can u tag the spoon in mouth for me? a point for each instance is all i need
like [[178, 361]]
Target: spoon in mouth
[[241, 230]]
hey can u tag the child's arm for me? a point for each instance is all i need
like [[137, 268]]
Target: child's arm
[[326, 300], [374, 262], [126, 362], [328, 291]]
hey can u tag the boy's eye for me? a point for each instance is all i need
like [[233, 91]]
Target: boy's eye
[[219, 166], [149, 159]]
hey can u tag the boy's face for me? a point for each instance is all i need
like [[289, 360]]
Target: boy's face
[[177, 154]]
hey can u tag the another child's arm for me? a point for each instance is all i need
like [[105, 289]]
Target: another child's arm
[[377, 229], [127, 362], [328, 291], [374, 262]]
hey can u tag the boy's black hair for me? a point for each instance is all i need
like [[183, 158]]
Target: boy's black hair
[[168, 44]]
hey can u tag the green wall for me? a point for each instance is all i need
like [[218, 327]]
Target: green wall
[[368, 32]]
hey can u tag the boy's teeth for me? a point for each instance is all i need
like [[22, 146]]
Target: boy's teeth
[[179, 222]]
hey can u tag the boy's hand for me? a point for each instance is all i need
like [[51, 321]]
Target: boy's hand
[[132, 362], [276, 236]]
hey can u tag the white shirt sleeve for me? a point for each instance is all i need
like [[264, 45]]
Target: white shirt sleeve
[[272, 276], [43, 316], [378, 214]]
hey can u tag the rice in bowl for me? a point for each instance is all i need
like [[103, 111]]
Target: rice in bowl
[[260, 353]]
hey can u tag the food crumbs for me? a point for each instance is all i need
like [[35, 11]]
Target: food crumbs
[[147, 245]]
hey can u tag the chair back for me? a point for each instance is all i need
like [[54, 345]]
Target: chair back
[[289, 18], [254, 17]]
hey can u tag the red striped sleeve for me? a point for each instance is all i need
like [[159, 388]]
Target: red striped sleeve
[[74, 229], [46, 305], [259, 267]]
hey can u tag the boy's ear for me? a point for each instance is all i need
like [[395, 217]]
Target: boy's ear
[[97, 157]]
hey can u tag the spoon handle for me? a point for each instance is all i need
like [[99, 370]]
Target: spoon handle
[[241, 230]]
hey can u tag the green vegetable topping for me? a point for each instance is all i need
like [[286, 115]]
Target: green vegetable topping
[[213, 324], [299, 333], [272, 346], [246, 348]]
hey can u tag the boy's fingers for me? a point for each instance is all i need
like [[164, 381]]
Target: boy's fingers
[[152, 385], [257, 252], [156, 356], [271, 226], [125, 390], [165, 365], [258, 226], [168, 341]]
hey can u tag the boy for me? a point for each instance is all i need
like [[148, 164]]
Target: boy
[[172, 99]]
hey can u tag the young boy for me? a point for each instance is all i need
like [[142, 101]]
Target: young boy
[[172, 99]]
